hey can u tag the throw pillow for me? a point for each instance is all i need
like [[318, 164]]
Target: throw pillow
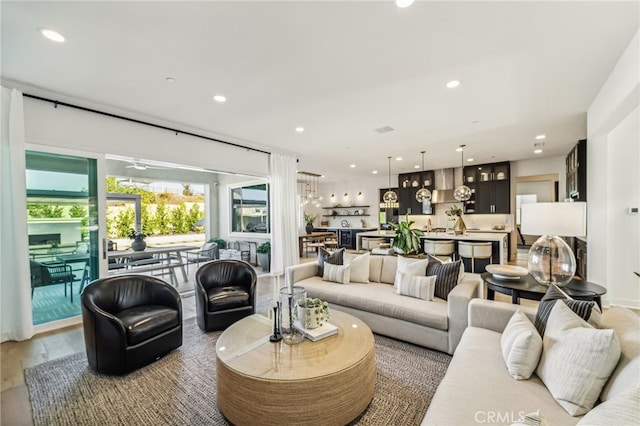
[[460, 274], [576, 360], [336, 273], [521, 346], [335, 258], [587, 310], [447, 274], [359, 266], [619, 410], [418, 286], [410, 266]]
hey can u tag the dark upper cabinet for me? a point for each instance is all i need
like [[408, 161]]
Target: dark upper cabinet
[[577, 172], [490, 188], [408, 185]]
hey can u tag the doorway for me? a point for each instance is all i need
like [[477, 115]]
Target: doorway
[[534, 189]]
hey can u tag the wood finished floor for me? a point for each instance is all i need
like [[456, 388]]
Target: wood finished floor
[[16, 356]]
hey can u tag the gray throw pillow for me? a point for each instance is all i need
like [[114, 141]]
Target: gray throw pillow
[[335, 258], [446, 273], [583, 308]]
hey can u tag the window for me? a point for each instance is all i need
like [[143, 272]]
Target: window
[[250, 209]]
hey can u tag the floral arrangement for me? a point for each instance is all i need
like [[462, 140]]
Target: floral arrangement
[[136, 235], [309, 217], [454, 211]]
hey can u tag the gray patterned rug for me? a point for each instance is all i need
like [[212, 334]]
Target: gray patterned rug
[[179, 389]]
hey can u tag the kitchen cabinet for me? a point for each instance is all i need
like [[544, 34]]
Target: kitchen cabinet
[[581, 258], [408, 186], [576, 163], [490, 188]]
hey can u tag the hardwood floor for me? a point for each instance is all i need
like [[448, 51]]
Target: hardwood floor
[[16, 356]]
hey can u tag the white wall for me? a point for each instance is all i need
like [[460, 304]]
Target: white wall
[[542, 166], [612, 181]]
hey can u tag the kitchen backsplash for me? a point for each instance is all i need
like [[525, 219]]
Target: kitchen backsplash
[[479, 221]]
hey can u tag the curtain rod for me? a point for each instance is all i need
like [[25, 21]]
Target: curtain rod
[[133, 120]]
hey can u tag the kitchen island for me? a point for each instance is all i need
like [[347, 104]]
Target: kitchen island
[[498, 240]]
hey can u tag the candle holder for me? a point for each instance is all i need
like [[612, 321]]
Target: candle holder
[[276, 336]]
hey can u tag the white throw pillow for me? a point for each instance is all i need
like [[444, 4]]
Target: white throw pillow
[[621, 410], [418, 286], [576, 360], [359, 267], [336, 273], [521, 346], [410, 266]]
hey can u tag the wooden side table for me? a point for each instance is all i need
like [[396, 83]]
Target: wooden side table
[[528, 288]]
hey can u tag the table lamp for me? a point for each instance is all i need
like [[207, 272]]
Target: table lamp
[[551, 260]]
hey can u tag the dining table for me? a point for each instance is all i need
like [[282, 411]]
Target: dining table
[[311, 236]]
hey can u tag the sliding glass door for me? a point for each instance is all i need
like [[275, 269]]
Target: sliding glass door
[[62, 205]]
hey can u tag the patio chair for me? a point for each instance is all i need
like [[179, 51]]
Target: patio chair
[[44, 274], [209, 251]]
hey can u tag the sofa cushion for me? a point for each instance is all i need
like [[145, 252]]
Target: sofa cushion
[[477, 388], [335, 258], [418, 286], [576, 360], [621, 410], [143, 322], [380, 299], [359, 267], [521, 346], [375, 268], [626, 375], [410, 266], [587, 310], [447, 276], [337, 273], [389, 268], [227, 297]]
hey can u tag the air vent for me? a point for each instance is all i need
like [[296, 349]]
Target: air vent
[[385, 129]]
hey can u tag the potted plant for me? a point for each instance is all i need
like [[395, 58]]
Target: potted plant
[[264, 256], [138, 243], [222, 244], [455, 213], [315, 312], [309, 218], [407, 239]]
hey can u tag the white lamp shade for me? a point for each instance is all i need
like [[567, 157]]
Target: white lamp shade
[[563, 219]]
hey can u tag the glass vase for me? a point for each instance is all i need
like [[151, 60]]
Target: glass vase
[[292, 320]]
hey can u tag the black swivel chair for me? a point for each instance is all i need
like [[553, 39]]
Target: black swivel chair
[[225, 292], [129, 321]]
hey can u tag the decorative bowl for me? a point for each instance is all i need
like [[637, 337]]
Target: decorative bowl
[[507, 272]]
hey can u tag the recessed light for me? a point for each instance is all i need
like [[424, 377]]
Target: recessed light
[[321, 176], [170, 80], [404, 3], [537, 151], [469, 160], [219, 98], [416, 166], [398, 158], [353, 166], [375, 172], [52, 35], [453, 83], [299, 129], [540, 137], [459, 149]]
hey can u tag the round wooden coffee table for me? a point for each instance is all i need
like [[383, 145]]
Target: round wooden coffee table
[[330, 381]]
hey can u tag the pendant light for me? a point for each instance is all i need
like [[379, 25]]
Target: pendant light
[[390, 196], [462, 193], [423, 193]]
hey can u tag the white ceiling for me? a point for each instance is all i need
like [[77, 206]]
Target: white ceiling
[[340, 69]]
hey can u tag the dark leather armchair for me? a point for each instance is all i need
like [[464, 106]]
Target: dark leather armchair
[[225, 292], [129, 321]]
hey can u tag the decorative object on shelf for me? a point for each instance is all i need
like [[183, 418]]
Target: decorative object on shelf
[[390, 196], [309, 218], [334, 213], [291, 324], [551, 260], [138, 243], [455, 213], [264, 256], [316, 312], [507, 272], [345, 223], [276, 336], [407, 239], [462, 193], [423, 194], [309, 193]]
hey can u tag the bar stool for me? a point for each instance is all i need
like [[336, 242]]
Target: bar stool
[[313, 243], [442, 249], [331, 243], [475, 251]]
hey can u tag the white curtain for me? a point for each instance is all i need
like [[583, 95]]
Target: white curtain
[[15, 288], [284, 228]]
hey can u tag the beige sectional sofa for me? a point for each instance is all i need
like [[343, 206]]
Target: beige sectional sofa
[[477, 388], [436, 324]]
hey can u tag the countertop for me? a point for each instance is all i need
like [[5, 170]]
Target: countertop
[[474, 236], [331, 228]]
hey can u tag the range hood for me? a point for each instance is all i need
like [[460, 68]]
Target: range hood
[[444, 187]]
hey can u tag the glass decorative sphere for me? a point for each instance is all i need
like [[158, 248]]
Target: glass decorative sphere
[[551, 260], [390, 197], [462, 193], [422, 195]]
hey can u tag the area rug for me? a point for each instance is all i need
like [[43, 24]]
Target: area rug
[[180, 388]]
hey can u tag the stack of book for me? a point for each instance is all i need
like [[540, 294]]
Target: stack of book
[[325, 330]]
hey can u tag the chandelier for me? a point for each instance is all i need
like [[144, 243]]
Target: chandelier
[[463, 192], [309, 195]]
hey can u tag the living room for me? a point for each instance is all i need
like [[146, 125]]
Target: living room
[[124, 67]]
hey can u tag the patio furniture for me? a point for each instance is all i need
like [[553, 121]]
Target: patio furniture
[[208, 252], [52, 273]]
